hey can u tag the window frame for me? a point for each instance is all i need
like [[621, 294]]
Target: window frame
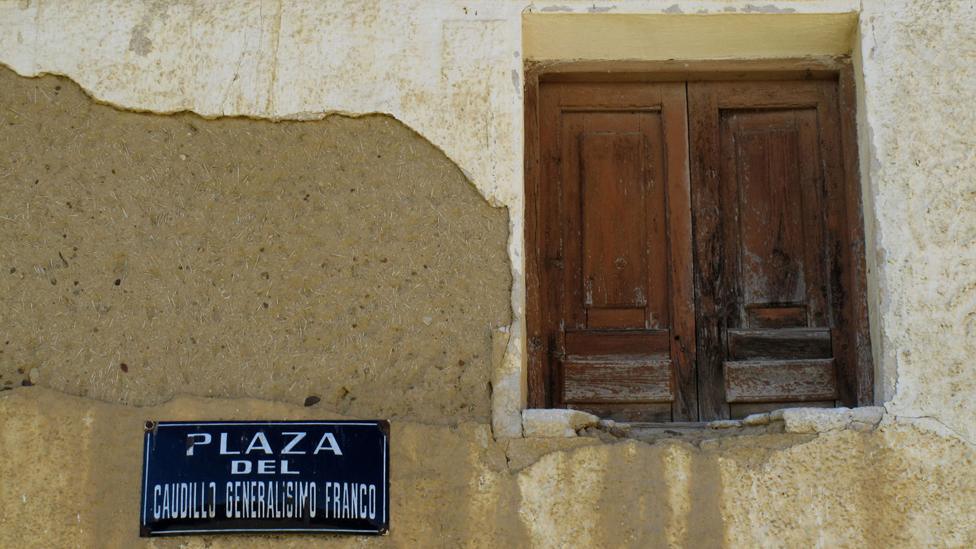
[[838, 69]]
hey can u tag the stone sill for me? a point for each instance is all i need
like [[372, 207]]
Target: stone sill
[[559, 423]]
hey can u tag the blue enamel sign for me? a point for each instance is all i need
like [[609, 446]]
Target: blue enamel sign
[[265, 476]]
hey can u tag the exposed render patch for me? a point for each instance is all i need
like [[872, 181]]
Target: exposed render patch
[[144, 256]]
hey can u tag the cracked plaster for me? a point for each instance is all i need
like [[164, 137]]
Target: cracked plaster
[[297, 60], [302, 60]]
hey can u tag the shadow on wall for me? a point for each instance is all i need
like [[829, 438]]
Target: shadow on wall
[[144, 256]]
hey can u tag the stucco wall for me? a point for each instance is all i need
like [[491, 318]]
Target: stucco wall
[[65, 463], [921, 176], [451, 71]]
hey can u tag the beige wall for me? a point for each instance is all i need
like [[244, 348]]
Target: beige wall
[[451, 71], [70, 469]]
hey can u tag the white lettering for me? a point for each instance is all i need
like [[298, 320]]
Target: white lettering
[[312, 500], [289, 499], [362, 501], [229, 499], [240, 467], [205, 438], [157, 508], [184, 499], [237, 499], [354, 500], [332, 446], [328, 497], [223, 446], [166, 501], [288, 447], [284, 468], [336, 494], [372, 501], [259, 437]]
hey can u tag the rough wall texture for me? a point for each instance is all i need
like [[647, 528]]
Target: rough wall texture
[[455, 486], [452, 71], [919, 68], [449, 69], [145, 256]]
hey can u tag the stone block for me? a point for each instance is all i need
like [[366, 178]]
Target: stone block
[[756, 419], [868, 414], [555, 423], [815, 420]]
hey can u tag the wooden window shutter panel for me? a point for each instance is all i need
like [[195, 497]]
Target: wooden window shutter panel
[[616, 250], [771, 229]]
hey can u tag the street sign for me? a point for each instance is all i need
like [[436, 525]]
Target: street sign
[[265, 476]]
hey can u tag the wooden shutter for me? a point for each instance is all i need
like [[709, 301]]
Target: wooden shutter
[[772, 246], [632, 316], [614, 220]]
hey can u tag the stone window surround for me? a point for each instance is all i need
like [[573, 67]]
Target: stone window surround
[[543, 35]]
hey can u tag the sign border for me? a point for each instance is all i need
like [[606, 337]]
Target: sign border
[[151, 425]]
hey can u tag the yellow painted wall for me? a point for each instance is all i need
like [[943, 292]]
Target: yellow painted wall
[[667, 36]]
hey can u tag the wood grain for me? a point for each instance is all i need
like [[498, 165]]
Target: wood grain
[[623, 161], [780, 380], [616, 379], [779, 344], [769, 221], [624, 342]]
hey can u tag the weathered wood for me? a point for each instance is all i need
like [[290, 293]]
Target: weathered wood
[[630, 342], [861, 363], [778, 234], [546, 246], [770, 234], [614, 259], [615, 318], [616, 378], [797, 343], [692, 71], [536, 336], [780, 380], [655, 237], [710, 278], [631, 413], [618, 228], [762, 316], [679, 234], [839, 256], [773, 214], [566, 189], [768, 221]]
